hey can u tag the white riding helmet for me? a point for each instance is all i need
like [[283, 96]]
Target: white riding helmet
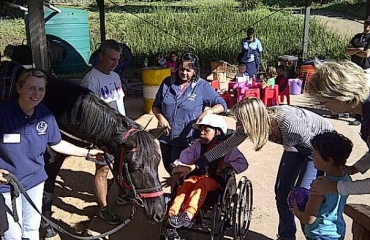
[[213, 120]]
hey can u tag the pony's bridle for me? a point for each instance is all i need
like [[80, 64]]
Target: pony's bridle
[[124, 176]]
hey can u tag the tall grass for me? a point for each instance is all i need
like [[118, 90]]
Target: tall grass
[[213, 33], [216, 34]]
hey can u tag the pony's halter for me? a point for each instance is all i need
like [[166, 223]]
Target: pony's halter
[[125, 179]]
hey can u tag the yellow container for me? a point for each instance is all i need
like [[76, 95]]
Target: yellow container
[[152, 79]]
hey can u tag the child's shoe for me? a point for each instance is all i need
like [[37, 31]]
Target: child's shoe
[[174, 221], [185, 220], [171, 234]]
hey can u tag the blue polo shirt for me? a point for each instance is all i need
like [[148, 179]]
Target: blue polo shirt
[[254, 45], [23, 142], [181, 111]]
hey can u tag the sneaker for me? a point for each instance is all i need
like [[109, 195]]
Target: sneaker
[[123, 199], [185, 220], [355, 123], [171, 234], [174, 221], [110, 216]]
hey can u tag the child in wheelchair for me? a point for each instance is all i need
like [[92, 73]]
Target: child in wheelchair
[[191, 194]]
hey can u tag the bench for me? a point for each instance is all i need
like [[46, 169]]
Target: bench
[[360, 214]]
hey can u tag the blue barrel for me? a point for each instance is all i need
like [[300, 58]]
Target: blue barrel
[[69, 34]]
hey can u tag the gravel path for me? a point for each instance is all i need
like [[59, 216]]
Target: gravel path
[[344, 26]]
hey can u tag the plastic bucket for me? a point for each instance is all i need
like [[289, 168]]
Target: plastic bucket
[[152, 79], [295, 86]]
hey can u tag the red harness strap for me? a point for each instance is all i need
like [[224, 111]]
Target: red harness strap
[[151, 195], [121, 163]]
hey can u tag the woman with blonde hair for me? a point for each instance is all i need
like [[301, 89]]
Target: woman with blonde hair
[[342, 87], [26, 128], [286, 125]]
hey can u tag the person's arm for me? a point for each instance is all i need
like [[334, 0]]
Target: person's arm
[[312, 209], [354, 188], [259, 46], [323, 186], [3, 180], [216, 109], [67, 148], [162, 121], [363, 164], [363, 53], [237, 160], [221, 149], [156, 108], [352, 50]]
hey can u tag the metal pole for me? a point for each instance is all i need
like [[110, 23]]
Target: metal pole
[[306, 28]]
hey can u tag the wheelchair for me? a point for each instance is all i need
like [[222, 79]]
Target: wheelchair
[[226, 212]]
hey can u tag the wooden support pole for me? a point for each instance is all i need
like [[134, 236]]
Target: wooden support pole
[[306, 28], [37, 35], [100, 4]]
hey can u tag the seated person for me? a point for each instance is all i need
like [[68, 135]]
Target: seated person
[[172, 62], [242, 71], [269, 80], [160, 60], [281, 79], [270, 75], [192, 193], [261, 77]]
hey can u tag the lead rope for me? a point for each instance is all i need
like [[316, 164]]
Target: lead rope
[[17, 187]]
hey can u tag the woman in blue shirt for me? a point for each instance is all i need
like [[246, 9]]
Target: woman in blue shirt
[[26, 128], [182, 100]]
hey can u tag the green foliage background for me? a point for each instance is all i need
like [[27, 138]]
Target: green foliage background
[[211, 28]]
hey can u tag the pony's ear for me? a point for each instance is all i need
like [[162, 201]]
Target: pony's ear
[[156, 132]]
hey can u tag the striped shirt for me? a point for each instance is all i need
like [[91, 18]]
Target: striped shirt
[[298, 126]]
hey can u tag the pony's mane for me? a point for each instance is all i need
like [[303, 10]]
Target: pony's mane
[[81, 113], [145, 140]]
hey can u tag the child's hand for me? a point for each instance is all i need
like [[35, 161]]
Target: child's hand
[[170, 181], [295, 210]]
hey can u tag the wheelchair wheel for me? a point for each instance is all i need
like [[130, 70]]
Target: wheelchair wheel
[[226, 210], [215, 220], [242, 211]]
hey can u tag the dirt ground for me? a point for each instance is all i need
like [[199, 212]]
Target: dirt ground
[[75, 204]]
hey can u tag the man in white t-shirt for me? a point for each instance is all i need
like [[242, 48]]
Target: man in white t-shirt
[[106, 84], [102, 79]]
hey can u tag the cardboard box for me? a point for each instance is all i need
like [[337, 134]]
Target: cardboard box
[[219, 67], [220, 76]]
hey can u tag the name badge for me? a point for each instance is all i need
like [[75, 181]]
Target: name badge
[[12, 138]]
